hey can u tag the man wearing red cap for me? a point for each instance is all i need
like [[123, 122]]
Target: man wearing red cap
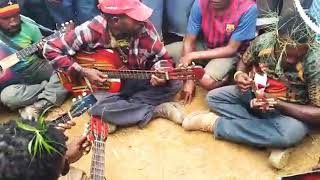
[[125, 21], [30, 85]]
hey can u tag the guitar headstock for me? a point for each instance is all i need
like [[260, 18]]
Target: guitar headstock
[[98, 129], [187, 73], [82, 104], [67, 26]]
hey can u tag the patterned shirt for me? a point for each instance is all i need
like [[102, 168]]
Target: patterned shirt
[[302, 80], [145, 50]]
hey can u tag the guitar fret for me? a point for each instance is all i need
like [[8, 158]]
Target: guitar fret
[[98, 160], [134, 74]]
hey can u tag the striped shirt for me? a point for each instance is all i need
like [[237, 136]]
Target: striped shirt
[[145, 49]]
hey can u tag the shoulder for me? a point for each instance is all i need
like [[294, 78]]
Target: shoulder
[[264, 41], [25, 24], [98, 23], [312, 61], [150, 30]]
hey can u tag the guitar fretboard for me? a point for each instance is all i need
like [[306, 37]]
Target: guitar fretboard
[[134, 74], [62, 119], [34, 47], [98, 159]]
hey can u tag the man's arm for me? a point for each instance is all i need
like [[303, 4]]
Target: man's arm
[[60, 50], [306, 113], [244, 32], [221, 52], [193, 29]]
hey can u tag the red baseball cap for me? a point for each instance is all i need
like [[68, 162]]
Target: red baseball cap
[[132, 8]]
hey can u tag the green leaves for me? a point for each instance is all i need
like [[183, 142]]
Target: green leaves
[[39, 143]]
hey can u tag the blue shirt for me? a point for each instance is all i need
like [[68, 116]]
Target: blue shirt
[[315, 13], [245, 31]]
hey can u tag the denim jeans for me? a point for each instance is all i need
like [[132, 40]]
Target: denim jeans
[[77, 10], [175, 11], [239, 123]]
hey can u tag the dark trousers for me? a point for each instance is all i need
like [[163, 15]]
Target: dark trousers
[[135, 102]]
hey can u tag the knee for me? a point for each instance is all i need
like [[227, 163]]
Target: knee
[[9, 97], [214, 97], [294, 133]]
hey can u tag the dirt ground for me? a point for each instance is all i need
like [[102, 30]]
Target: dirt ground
[[164, 151]]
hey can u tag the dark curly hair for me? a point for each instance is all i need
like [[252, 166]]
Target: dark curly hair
[[16, 163]]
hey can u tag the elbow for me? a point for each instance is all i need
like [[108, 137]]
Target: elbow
[[231, 51]]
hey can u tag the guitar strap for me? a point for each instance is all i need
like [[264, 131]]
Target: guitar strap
[[6, 40]]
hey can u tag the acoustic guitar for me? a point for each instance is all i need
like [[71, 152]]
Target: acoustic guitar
[[79, 106], [108, 62]]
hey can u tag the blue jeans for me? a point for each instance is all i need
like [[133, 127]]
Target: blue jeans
[[77, 10], [239, 123], [176, 12]]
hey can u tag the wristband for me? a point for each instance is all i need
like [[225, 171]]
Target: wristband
[[236, 74]]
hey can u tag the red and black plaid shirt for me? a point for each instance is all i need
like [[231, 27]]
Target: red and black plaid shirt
[[145, 49]]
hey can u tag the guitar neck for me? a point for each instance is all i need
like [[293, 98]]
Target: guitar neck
[[135, 74], [34, 47], [62, 119], [98, 159]]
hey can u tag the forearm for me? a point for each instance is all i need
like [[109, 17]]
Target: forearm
[[305, 113], [221, 52]]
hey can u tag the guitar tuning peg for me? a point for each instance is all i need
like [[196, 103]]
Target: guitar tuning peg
[[193, 64], [84, 94], [79, 97], [67, 22], [74, 99]]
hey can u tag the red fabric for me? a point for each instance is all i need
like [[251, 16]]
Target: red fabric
[[10, 12], [133, 8], [275, 86], [214, 27]]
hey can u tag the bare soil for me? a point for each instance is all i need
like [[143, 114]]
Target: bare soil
[[164, 151]]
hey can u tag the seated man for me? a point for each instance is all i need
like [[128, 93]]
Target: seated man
[[226, 26], [140, 48], [17, 162], [30, 85], [285, 96]]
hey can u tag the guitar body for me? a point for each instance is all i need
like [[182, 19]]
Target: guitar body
[[102, 60], [108, 62]]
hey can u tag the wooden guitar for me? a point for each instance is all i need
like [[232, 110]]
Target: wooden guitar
[[11, 60], [108, 62], [79, 106], [98, 133]]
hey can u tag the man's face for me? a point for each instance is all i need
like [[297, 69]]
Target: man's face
[[219, 4], [11, 25], [125, 26]]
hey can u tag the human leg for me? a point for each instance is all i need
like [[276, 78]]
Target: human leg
[[157, 15], [85, 10]]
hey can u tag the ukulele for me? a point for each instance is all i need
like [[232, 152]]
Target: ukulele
[[108, 62], [97, 134], [79, 106], [11, 60]]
